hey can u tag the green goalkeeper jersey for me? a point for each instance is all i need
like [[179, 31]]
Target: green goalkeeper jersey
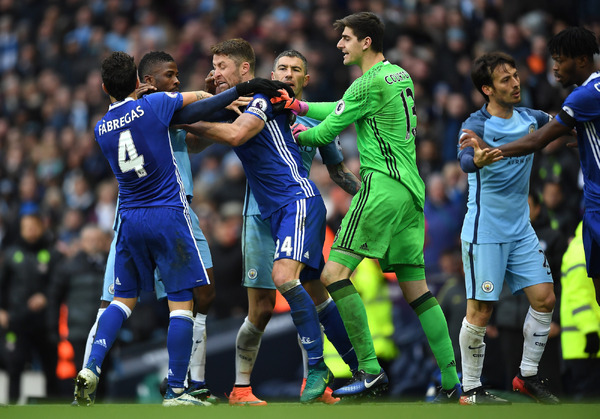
[[381, 103]]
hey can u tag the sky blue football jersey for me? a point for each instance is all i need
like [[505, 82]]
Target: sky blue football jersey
[[497, 208]]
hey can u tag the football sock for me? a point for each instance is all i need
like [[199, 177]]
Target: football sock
[[179, 346], [247, 344], [304, 358], [535, 333], [109, 325], [198, 358], [333, 326], [472, 352], [90, 338], [435, 327], [306, 320], [353, 313]]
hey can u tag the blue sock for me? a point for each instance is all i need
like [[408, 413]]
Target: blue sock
[[306, 320], [109, 324], [179, 346], [335, 331]]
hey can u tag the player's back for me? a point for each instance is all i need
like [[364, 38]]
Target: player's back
[[583, 104], [134, 137], [273, 163]]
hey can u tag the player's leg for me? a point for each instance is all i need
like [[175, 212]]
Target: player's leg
[[299, 242], [528, 270], [257, 249], [484, 267]]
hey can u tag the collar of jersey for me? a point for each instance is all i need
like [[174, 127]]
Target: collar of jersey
[[122, 102], [592, 76]]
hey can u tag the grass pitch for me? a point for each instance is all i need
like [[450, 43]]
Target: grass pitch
[[292, 410]]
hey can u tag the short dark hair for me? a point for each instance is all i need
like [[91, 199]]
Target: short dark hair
[[574, 42], [364, 24], [238, 49], [150, 59], [119, 74], [484, 66], [292, 53]]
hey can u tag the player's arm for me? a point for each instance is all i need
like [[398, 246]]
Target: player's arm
[[234, 134], [345, 113], [196, 144], [195, 109], [344, 178]]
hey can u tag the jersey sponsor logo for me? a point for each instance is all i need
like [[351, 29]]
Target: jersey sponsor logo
[[107, 126], [339, 108], [487, 286]]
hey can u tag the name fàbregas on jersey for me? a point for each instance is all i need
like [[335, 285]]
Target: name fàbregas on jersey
[[396, 77], [108, 126]]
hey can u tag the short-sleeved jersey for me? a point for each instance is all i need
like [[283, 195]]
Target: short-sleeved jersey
[[330, 154], [497, 208], [582, 111], [272, 161], [381, 105], [134, 137]]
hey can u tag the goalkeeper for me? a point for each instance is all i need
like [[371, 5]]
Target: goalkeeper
[[385, 220]]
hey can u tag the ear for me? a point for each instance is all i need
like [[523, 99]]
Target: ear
[[104, 89], [149, 79], [244, 68], [306, 79], [366, 43], [582, 61], [272, 75], [488, 90]]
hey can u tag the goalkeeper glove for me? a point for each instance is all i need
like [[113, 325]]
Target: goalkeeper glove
[[297, 129], [592, 344], [290, 102]]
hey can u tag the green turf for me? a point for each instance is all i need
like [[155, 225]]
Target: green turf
[[275, 410]]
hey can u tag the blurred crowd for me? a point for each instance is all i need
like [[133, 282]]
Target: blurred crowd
[[50, 99]]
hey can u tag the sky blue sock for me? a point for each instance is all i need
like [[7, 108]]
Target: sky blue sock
[[306, 320], [179, 347], [109, 325], [336, 333]]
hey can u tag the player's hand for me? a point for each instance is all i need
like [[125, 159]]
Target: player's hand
[[145, 89], [209, 83], [297, 129], [270, 88], [483, 155], [469, 138], [238, 103], [592, 344], [289, 102]]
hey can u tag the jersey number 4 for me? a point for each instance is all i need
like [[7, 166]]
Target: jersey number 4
[[128, 155]]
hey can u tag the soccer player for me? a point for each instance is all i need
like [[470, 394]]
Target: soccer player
[[385, 220], [498, 241], [159, 73], [290, 67], [572, 51], [287, 200], [153, 214]]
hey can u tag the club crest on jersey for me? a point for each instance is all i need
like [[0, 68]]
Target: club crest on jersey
[[531, 128], [487, 286], [339, 108], [252, 274], [111, 289]]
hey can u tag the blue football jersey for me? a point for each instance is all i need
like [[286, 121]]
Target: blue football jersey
[[330, 154], [272, 161], [134, 137], [497, 207], [583, 106]]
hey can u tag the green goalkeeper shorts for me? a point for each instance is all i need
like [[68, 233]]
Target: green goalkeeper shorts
[[384, 222]]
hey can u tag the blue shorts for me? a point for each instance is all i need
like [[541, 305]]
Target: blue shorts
[[591, 242], [108, 289], [298, 230], [521, 263], [258, 251], [150, 238]]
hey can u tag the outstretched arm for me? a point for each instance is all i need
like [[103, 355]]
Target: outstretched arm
[[234, 134], [202, 109]]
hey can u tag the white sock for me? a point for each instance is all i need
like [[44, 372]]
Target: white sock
[[90, 338], [472, 351], [247, 344], [535, 333], [198, 358], [305, 354]]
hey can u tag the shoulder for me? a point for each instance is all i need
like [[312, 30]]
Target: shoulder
[[260, 106], [476, 121]]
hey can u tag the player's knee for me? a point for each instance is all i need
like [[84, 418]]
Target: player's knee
[[203, 298]]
